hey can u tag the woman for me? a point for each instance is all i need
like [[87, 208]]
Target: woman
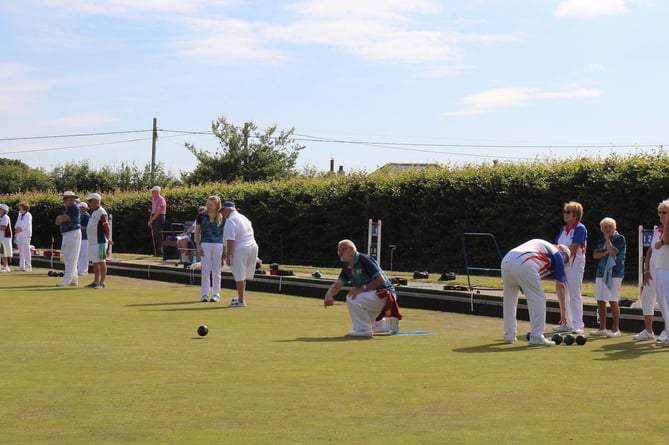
[[574, 235], [24, 231], [661, 276], [6, 251], [209, 244], [610, 251]]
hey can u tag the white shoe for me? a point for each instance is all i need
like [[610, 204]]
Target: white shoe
[[644, 335], [613, 334], [662, 336], [236, 303], [598, 333], [62, 284], [360, 334], [578, 331], [5, 269], [510, 341], [560, 328], [540, 340], [215, 298]]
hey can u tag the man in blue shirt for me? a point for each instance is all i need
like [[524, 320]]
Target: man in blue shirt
[[69, 224], [372, 292]]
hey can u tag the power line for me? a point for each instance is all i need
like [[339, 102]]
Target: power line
[[27, 138]]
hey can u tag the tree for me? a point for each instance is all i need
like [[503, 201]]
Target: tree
[[18, 177], [245, 154]]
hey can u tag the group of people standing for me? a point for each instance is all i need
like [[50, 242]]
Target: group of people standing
[[87, 221], [525, 265]]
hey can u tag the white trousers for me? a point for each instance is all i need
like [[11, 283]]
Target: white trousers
[[573, 296], [25, 260], [69, 250], [517, 276], [82, 262], [661, 279], [211, 265], [364, 309]]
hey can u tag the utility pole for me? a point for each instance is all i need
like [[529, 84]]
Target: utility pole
[[153, 147]]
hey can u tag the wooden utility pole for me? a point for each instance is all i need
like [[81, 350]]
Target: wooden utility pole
[[153, 147]]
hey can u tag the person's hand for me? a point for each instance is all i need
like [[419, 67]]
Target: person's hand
[[328, 301], [647, 278]]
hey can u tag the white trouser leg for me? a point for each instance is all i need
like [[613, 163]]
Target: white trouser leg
[[574, 299], [510, 301], [82, 262], [661, 279], [208, 266], [70, 252], [364, 309], [25, 261]]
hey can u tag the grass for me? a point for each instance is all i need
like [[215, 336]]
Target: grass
[[124, 365]]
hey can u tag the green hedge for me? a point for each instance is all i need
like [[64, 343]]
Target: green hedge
[[424, 213]]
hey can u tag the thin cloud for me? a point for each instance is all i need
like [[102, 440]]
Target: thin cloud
[[500, 98], [590, 8]]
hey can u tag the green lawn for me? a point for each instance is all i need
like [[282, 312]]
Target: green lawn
[[124, 365]]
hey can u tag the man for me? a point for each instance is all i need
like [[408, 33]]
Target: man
[[98, 240], [522, 268], [69, 224], [373, 295], [241, 249], [157, 219]]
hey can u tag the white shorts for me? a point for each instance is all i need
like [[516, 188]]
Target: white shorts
[[602, 291], [97, 253], [243, 265], [6, 249]]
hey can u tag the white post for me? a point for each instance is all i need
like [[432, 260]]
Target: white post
[[378, 244], [369, 237], [111, 237], [640, 267]]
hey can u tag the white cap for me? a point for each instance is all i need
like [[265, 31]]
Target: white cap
[[94, 196], [4, 207], [155, 188], [83, 205]]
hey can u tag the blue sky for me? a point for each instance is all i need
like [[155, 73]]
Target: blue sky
[[459, 81]]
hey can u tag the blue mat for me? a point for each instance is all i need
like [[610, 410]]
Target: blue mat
[[415, 333]]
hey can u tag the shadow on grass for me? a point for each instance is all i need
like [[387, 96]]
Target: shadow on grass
[[324, 339], [626, 350], [39, 288], [500, 346], [171, 303]]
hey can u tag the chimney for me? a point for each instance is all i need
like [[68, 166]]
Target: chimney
[[332, 165]]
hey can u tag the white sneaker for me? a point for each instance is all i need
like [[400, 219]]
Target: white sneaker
[[578, 331], [5, 269], [598, 333], [360, 334], [510, 341], [662, 336], [613, 334], [540, 340], [664, 342], [644, 335], [62, 284], [236, 303], [204, 299], [215, 299], [560, 328]]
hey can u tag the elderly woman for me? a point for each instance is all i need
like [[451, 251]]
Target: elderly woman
[[610, 252], [661, 277], [6, 251], [574, 235], [23, 227]]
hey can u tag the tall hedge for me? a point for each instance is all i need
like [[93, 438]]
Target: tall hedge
[[424, 213]]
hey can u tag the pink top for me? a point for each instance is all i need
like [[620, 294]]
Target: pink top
[[159, 205]]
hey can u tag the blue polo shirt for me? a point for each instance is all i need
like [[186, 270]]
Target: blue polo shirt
[[364, 270], [75, 219]]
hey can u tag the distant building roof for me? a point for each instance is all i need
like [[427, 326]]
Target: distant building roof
[[393, 167]]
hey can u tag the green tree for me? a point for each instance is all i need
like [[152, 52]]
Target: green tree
[[19, 177], [245, 154]]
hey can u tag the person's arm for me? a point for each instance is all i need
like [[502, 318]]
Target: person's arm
[[105, 228], [229, 248], [197, 238], [647, 276], [332, 291]]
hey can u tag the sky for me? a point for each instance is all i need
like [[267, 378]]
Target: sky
[[362, 82]]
